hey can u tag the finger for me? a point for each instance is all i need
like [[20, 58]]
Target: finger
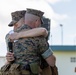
[[10, 58], [10, 53]]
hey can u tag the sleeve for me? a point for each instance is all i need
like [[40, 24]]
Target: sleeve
[[47, 53], [45, 50], [7, 40]]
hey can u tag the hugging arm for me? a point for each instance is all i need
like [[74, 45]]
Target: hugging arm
[[29, 33]]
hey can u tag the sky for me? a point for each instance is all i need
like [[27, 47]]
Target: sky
[[60, 12]]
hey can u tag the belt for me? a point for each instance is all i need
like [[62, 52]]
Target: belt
[[25, 72]]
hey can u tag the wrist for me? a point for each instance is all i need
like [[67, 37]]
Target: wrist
[[21, 35]]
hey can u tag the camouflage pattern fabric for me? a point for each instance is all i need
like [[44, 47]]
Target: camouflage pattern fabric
[[7, 40], [25, 49], [16, 16]]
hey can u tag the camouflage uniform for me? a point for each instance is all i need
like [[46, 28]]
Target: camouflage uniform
[[27, 51]]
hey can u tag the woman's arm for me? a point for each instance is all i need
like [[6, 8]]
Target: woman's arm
[[29, 33]]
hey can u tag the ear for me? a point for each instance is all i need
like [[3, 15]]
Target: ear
[[36, 23]]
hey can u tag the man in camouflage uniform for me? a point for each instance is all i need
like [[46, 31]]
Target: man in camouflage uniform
[[22, 47], [5, 70], [16, 16], [32, 47]]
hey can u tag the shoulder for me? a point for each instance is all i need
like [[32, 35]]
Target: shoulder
[[10, 32]]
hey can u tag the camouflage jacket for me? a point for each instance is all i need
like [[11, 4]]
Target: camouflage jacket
[[26, 50]]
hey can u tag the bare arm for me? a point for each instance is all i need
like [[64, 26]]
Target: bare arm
[[29, 33], [34, 32], [51, 60]]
